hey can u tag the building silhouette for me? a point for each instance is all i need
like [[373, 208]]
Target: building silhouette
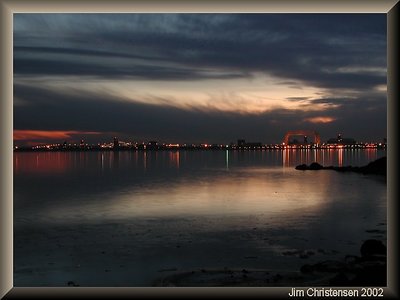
[[339, 140], [241, 143], [252, 145], [116, 143]]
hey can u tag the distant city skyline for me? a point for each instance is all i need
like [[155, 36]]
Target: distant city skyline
[[292, 140], [49, 137], [198, 78]]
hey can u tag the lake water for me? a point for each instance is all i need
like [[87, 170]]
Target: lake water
[[129, 218]]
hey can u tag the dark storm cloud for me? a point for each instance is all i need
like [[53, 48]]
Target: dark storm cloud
[[106, 113], [310, 47]]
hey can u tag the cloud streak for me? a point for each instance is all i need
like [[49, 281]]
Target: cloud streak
[[102, 113], [302, 47]]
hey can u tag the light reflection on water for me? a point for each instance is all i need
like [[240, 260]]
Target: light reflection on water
[[62, 162], [140, 205], [330, 157], [51, 186]]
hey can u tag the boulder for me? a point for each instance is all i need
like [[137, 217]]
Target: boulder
[[302, 167], [372, 247], [377, 167], [315, 166]]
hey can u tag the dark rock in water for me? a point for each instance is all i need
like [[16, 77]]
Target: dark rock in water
[[372, 247], [302, 167], [368, 270], [377, 167], [71, 283], [315, 166]]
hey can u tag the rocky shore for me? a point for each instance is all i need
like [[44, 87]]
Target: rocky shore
[[369, 269], [377, 167]]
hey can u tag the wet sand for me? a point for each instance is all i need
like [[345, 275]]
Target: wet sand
[[241, 251]]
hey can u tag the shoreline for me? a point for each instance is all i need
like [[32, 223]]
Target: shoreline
[[376, 167], [369, 269], [139, 255]]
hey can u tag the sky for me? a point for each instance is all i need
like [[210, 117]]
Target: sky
[[198, 78]]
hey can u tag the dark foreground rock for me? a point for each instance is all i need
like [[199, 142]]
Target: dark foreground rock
[[377, 167], [369, 269], [313, 166], [372, 247]]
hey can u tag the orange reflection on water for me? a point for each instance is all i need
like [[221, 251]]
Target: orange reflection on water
[[248, 192], [371, 153], [245, 189], [41, 162], [293, 157], [174, 159], [340, 157], [327, 157]]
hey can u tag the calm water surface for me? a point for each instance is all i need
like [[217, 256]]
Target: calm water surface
[[126, 218]]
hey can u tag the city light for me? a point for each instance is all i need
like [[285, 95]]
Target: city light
[[111, 146]]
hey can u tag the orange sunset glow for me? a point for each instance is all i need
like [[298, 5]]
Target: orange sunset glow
[[47, 134], [322, 120]]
